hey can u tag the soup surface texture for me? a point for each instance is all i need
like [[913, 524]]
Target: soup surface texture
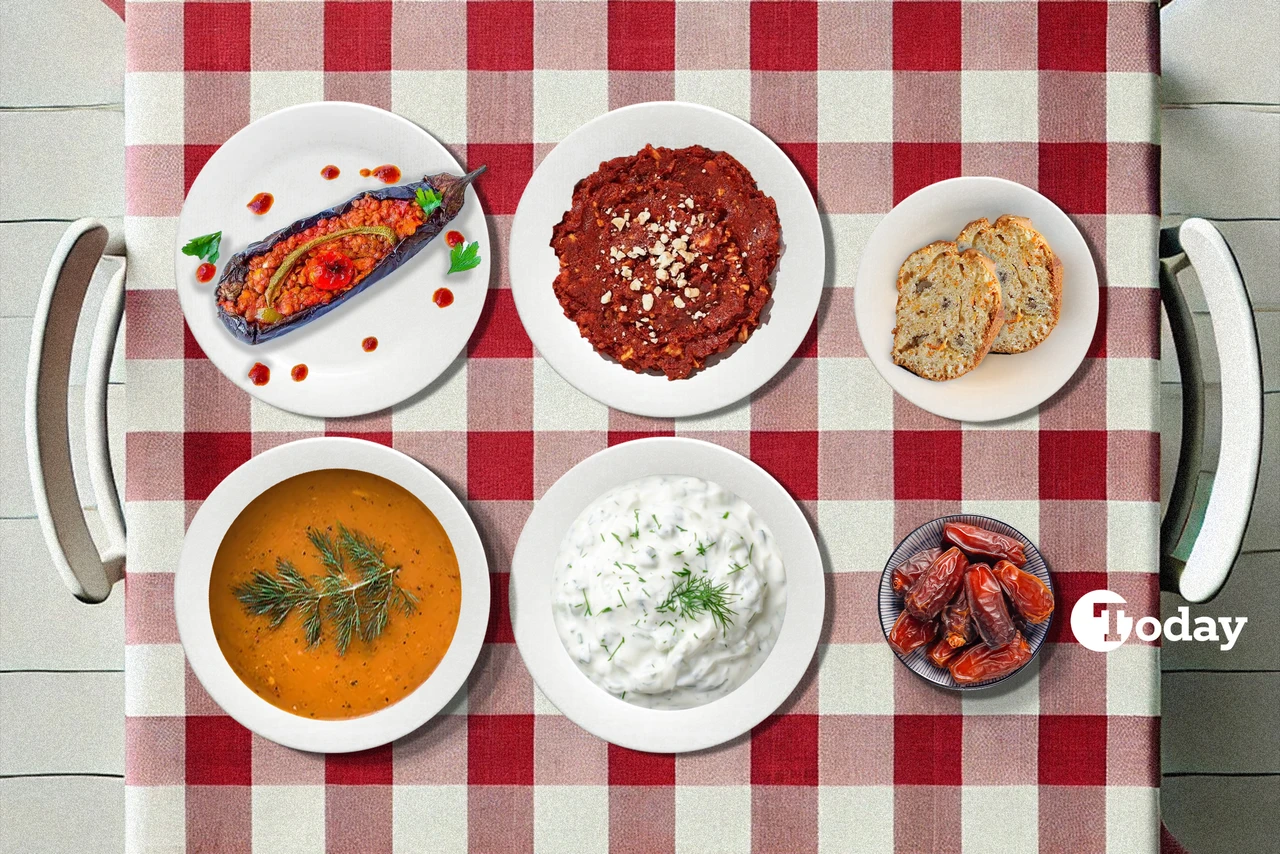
[[316, 681]]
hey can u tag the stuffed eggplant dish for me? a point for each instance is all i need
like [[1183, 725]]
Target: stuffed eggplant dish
[[314, 265]]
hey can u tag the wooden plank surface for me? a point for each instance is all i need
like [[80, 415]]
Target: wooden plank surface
[[43, 627], [1263, 533], [1255, 244], [60, 723], [1222, 815], [15, 489], [1216, 51], [62, 815], [80, 148], [60, 52], [1251, 591], [55, 53], [1233, 734], [1219, 161]]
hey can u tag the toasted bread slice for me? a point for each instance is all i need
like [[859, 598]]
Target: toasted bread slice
[[949, 311], [1030, 279]]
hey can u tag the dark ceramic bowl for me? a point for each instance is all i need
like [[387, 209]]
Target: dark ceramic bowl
[[927, 536]]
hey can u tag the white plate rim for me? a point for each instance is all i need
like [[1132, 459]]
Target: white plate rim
[[1043, 371], [615, 720], [396, 381], [195, 565], [791, 310]]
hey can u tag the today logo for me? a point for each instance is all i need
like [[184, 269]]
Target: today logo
[[1092, 624]]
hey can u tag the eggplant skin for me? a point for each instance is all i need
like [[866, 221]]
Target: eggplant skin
[[452, 189]]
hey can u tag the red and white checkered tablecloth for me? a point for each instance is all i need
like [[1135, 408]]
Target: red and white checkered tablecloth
[[872, 100]]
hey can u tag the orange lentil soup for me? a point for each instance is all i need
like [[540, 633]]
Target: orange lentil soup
[[317, 682]]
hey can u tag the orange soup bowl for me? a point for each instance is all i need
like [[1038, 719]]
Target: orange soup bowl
[[332, 594]]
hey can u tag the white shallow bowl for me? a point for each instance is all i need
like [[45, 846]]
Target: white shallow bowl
[[282, 154], [195, 628], [731, 375], [593, 708], [1003, 385]]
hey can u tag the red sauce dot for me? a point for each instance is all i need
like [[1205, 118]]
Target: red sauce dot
[[453, 238], [387, 173], [205, 272], [443, 297], [369, 344], [261, 203], [365, 173], [329, 172], [259, 374], [299, 373]]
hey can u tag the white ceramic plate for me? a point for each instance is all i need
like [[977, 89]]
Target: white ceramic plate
[[282, 154], [591, 707], [797, 281], [195, 628], [1002, 385]]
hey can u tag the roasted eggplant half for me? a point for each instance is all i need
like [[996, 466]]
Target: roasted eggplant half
[[312, 266]]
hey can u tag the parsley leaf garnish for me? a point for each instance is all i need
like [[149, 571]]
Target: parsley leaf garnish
[[205, 247], [464, 257], [428, 199]]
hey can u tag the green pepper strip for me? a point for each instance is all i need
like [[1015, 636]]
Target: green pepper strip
[[273, 287]]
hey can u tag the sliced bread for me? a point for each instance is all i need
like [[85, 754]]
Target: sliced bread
[[1030, 278], [949, 311]]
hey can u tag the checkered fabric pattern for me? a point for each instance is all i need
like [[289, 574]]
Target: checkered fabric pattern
[[872, 100]]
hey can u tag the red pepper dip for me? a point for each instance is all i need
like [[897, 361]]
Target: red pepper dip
[[665, 258], [261, 203], [387, 173]]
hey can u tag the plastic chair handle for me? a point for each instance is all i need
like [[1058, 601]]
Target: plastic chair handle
[[87, 573], [1198, 551]]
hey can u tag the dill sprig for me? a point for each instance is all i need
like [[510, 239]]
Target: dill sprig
[[356, 593], [695, 595]]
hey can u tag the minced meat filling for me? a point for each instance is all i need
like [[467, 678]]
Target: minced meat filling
[[665, 258], [403, 216]]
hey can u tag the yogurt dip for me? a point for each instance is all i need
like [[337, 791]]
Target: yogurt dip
[[668, 592]]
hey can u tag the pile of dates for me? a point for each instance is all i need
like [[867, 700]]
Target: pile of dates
[[972, 615]]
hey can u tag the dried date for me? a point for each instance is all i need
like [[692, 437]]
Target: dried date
[[941, 653], [980, 541], [1030, 596], [909, 571], [937, 586], [980, 663], [986, 603], [909, 634], [957, 623]]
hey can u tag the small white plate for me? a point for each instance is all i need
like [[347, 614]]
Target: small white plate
[[593, 708], [282, 154], [735, 373], [1002, 385], [195, 566]]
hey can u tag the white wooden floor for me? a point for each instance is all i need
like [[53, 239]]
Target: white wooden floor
[[61, 686], [1221, 160]]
